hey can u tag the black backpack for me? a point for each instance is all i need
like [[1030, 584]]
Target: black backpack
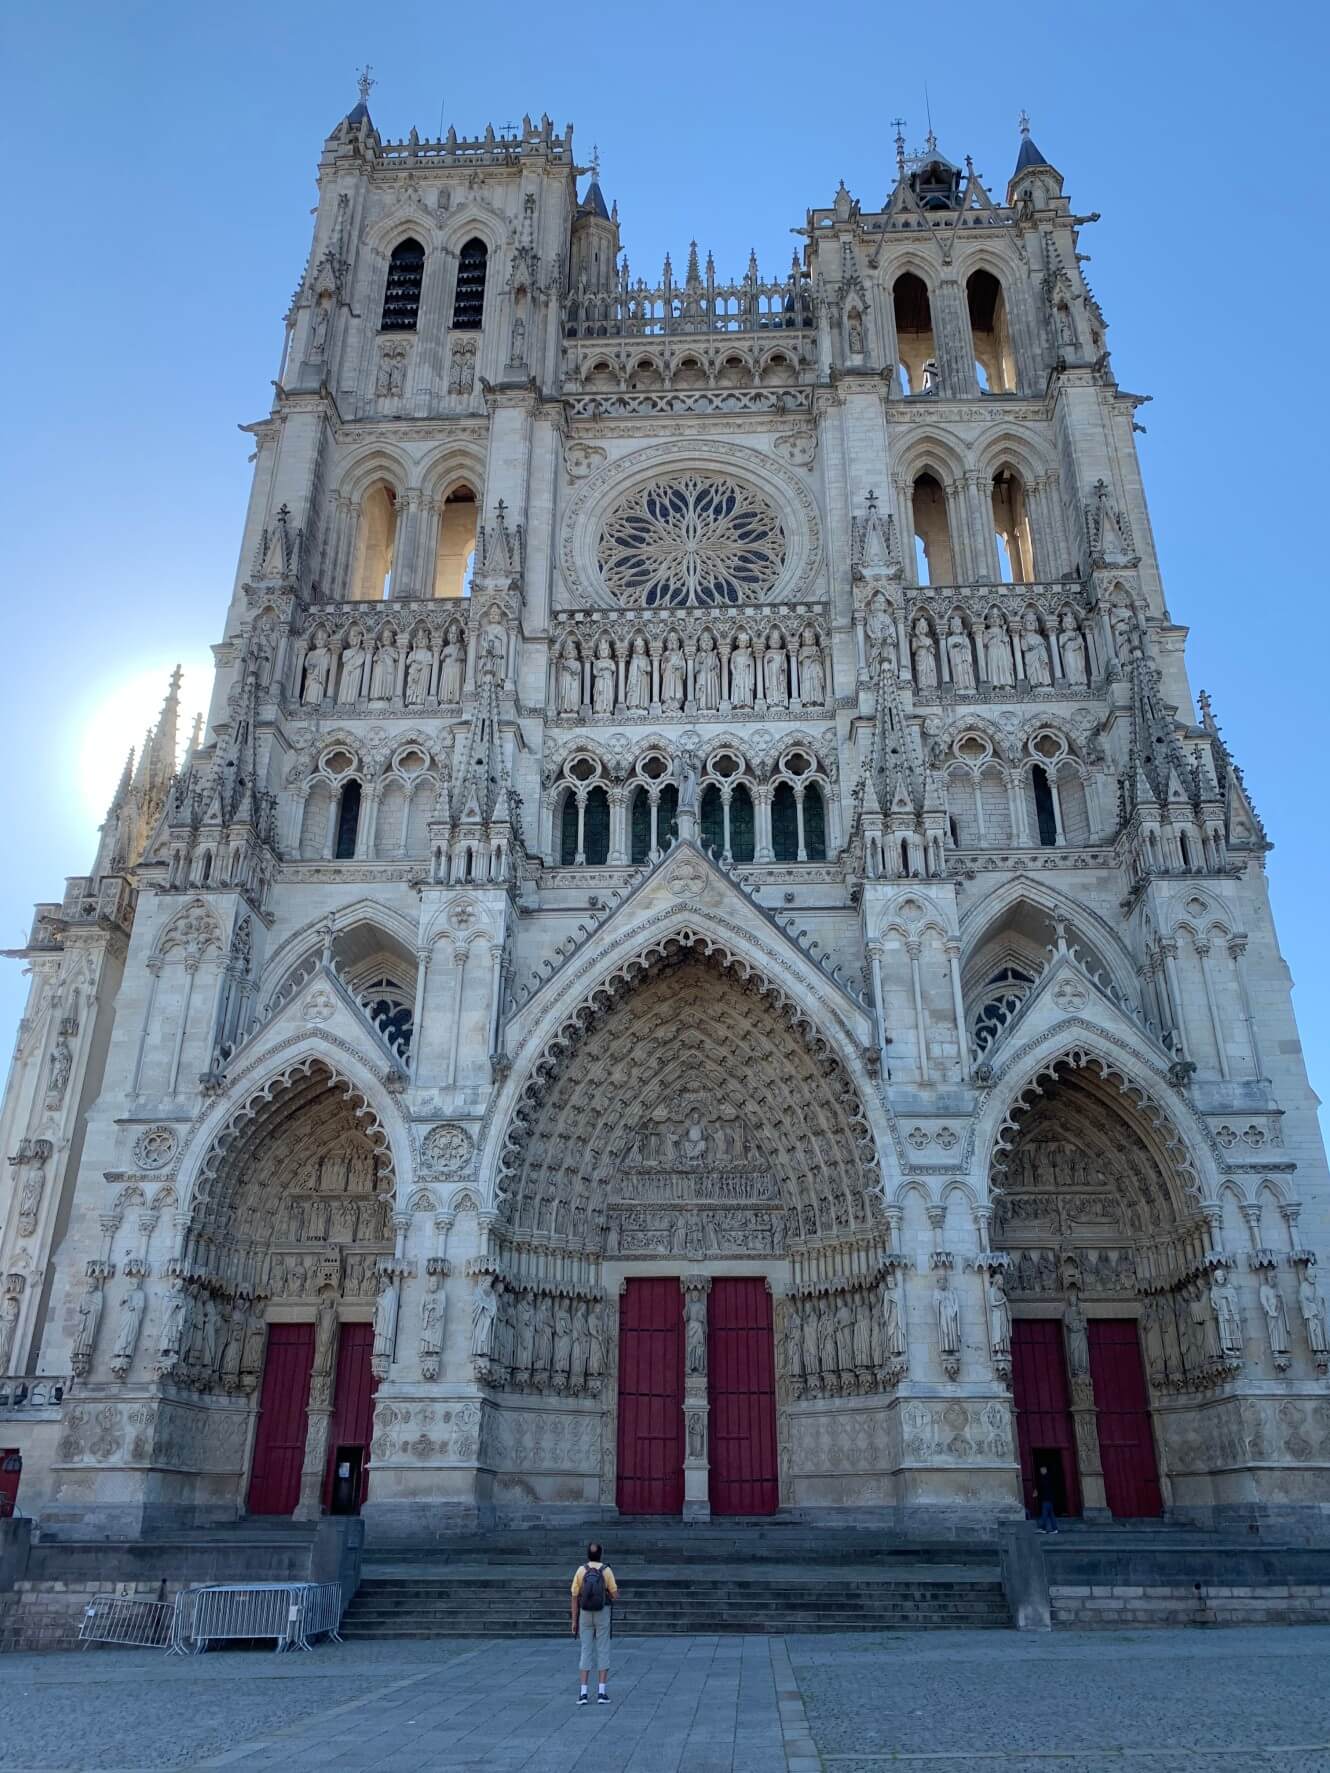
[[592, 1596]]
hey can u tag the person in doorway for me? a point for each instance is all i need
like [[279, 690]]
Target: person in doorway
[[1045, 1494], [594, 1593]]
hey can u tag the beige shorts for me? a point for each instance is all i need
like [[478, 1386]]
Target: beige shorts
[[594, 1639]]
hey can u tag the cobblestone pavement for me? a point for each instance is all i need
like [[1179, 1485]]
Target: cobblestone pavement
[[934, 1702]]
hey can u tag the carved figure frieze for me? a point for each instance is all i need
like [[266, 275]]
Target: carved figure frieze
[[846, 1341]]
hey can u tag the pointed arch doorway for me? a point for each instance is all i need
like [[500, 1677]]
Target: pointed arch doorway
[[695, 1147], [1088, 1202]]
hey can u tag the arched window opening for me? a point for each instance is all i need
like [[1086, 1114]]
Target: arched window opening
[[784, 824], [401, 297], [743, 838], [568, 831], [1002, 996], [469, 301], [1045, 815], [455, 557], [348, 822], [596, 829], [712, 820], [372, 579], [639, 834], [954, 830], [667, 816], [915, 345], [1185, 847], [905, 857], [993, 361], [390, 1010], [1011, 526], [815, 824], [934, 560]]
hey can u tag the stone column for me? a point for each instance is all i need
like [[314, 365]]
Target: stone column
[[696, 1409], [1084, 1415], [318, 1425]]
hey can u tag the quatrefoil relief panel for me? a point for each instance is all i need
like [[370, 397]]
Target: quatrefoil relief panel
[[693, 539]]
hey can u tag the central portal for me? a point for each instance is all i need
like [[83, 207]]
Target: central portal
[[657, 1433]]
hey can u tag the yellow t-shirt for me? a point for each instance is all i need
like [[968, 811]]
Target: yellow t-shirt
[[611, 1586]]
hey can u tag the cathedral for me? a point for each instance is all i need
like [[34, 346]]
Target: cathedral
[[705, 959]]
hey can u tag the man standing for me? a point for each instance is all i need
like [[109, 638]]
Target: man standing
[[594, 1592], [1045, 1491]]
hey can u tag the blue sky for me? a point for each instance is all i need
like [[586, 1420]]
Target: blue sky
[[159, 195]]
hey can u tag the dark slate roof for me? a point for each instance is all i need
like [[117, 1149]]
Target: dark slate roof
[[594, 202], [1029, 156]]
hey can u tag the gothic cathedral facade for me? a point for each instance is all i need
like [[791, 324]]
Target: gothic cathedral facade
[[705, 959]]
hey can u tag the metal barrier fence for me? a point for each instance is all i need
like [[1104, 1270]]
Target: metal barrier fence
[[292, 1613], [113, 1619], [289, 1612]]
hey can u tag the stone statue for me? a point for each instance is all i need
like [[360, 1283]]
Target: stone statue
[[1034, 651], [794, 1348], [542, 1353], [1228, 1316], [31, 1199], [483, 1308], [948, 1308], [925, 656], [1203, 1338], [383, 674], [999, 1317], [8, 1331], [1154, 1336], [353, 667], [893, 1329], [998, 666], [706, 674], [318, 327], [695, 1333], [697, 1435], [452, 665], [212, 1333], [1276, 1317], [581, 1350], [673, 674], [689, 776], [174, 1315], [960, 655], [563, 1340], [325, 1336], [775, 674], [385, 1321], [596, 1358], [844, 1334], [318, 663], [932, 377], [855, 327], [570, 678], [431, 1322], [1312, 1306], [743, 671], [826, 1337], [1072, 643], [881, 627], [863, 1333], [637, 692], [60, 1065], [90, 1316], [1077, 1334], [812, 670], [418, 663], [602, 679]]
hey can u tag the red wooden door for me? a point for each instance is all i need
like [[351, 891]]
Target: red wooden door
[[1126, 1440], [651, 1398], [741, 1384], [353, 1404], [11, 1470], [1043, 1404], [279, 1444]]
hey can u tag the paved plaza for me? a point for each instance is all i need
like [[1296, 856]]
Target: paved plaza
[[996, 1702]]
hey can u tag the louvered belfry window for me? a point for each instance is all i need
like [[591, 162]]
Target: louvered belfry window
[[401, 299], [469, 302]]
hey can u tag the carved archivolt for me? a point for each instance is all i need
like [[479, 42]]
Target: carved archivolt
[[689, 1067]]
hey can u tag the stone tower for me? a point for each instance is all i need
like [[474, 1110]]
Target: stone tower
[[706, 959]]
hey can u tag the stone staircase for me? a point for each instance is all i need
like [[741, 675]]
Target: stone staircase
[[736, 1576]]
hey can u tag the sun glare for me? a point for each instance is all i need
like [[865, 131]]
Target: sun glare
[[121, 717]]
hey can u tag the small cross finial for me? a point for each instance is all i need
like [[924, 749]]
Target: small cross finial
[[366, 83], [595, 161], [872, 500], [1024, 122], [898, 124]]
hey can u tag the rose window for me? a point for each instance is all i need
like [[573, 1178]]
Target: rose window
[[694, 540]]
